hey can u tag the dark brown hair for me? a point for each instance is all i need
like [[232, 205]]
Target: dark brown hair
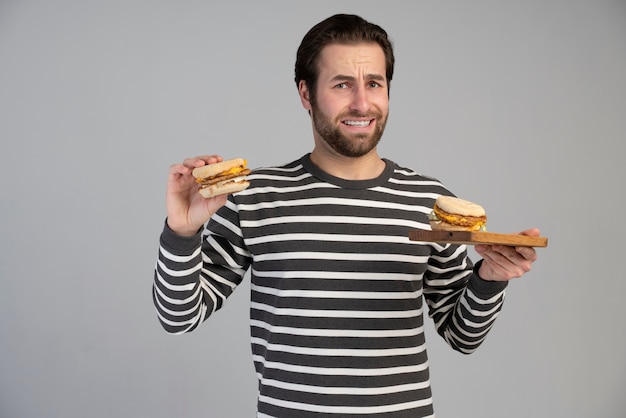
[[339, 29]]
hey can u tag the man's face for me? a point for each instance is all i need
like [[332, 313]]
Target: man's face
[[350, 105]]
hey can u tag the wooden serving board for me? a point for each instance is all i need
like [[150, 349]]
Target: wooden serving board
[[476, 237]]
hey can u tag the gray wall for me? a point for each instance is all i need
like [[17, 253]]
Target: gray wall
[[520, 106]]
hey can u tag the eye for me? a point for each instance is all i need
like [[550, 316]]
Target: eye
[[342, 86], [374, 84]]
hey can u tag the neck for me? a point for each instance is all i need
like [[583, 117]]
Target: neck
[[366, 167]]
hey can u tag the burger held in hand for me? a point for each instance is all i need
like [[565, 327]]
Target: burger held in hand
[[454, 214], [225, 177]]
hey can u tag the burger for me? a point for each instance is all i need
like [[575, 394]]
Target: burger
[[454, 214], [224, 177]]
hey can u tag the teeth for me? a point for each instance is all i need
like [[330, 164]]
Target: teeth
[[357, 122]]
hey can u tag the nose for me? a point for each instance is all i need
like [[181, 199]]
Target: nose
[[360, 100]]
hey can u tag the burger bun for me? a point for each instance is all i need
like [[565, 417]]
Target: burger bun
[[453, 214], [211, 170], [444, 226], [460, 206], [226, 187]]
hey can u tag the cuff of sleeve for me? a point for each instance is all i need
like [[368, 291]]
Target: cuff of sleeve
[[170, 240], [485, 288]]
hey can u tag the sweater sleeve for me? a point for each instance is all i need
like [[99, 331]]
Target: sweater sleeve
[[463, 306], [195, 275]]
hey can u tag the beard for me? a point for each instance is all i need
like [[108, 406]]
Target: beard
[[356, 145]]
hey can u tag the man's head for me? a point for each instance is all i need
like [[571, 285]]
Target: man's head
[[339, 29], [343, 70]]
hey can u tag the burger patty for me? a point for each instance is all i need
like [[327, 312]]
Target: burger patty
[[456, 219], [216, 179]]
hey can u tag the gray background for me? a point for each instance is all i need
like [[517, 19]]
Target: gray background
[[520, 106]]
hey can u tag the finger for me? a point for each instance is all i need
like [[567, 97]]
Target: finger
[[202, 160], [500, 266], [528, 253], [510, 265], [178, 169], [481, 248], [510, 254], [532, 232], [506, 258]]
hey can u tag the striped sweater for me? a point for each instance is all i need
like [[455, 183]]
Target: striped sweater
[[337, 289]]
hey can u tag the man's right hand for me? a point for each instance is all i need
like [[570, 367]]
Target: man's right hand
[[188, 210]]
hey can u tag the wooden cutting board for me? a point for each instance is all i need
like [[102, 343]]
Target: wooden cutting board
[[476, 237]]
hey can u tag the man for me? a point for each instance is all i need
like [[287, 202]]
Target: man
[[337, 287]]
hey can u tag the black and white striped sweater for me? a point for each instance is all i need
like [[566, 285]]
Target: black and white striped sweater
[[336, 310]]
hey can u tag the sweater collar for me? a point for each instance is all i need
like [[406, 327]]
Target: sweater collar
[[348, 184]]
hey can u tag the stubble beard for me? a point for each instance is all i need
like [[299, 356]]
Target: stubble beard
[[356, 145]]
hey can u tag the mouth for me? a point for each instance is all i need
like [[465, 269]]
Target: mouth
[[358, 123]]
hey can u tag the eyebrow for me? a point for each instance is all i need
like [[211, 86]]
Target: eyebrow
[[341, 77]]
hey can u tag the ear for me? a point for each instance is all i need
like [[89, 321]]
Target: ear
[[305, 96]]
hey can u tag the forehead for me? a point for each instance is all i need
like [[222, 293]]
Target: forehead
[[352, 58]]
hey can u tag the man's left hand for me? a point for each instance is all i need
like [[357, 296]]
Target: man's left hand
[[503, 262]]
